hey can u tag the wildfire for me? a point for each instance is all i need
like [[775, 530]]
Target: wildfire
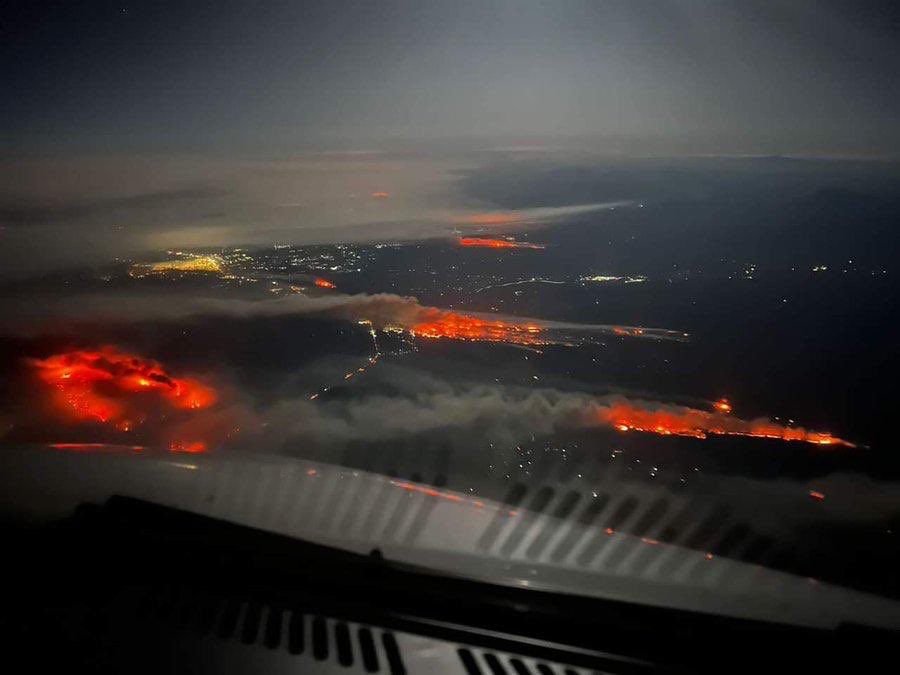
[[683, 421], [324, 283], [497, 243], [112, 387], [463, 327]]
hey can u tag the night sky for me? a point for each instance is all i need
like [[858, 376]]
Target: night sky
[[668, 75]]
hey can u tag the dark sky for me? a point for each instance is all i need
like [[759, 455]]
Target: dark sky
[[258, 77]]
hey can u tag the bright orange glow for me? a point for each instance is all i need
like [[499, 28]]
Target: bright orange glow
[[722, 405], [491, 219], [189, 447], [323, 283], [682, 421], [447, 324], [111, 387], [497, 243], [381, 195], [817, 495], [93, 446]]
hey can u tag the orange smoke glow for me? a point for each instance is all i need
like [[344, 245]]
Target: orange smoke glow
[[491, 219], [456, 326], [323, 283], [111, 387], [681, 421], [497, 243]]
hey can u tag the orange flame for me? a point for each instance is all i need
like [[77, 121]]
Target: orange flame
[[107, 385], [381, 195], [497, 243], [682, 421], [324, 283], [722, 405], [456, 326]]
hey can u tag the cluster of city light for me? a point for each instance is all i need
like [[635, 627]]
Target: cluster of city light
[[611, 278], [205, 264]]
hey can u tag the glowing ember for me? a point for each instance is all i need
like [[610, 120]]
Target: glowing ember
[[324, 283], [381, 195], [497, 243], [682, 421], [816, 495], [448, 324], [111, 387]]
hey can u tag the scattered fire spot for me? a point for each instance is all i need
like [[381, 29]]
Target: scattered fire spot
[[817, 495], [324, 283], [682, 421], [609, 531], [498, 243], [628, 331], [312, 472], [722, 405], [381, 195]]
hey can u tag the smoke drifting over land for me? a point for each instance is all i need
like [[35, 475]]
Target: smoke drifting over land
[[508, 414], [382, 310]]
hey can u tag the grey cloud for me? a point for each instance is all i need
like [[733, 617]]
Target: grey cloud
[[24, 212]]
